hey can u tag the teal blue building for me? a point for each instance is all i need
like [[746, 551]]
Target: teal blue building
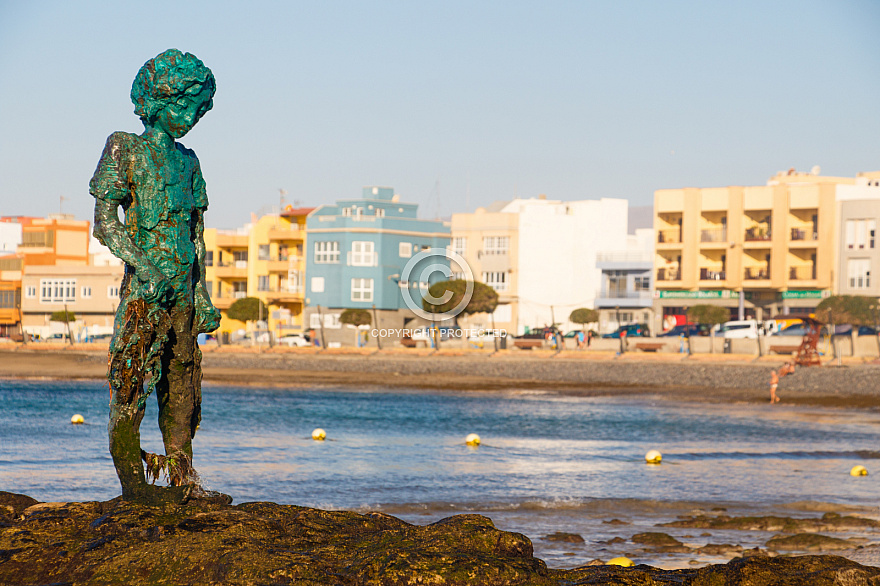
[[357, 250]]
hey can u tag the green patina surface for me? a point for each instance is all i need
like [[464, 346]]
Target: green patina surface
[[164, 301]]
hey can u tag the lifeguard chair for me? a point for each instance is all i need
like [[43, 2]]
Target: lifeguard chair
[[808, 352]]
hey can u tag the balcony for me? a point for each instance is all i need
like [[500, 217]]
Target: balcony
[[284, 234], [619, 297], [669, 236], [758, 234], [226, 301], [668, 275], [284, 265], [292, 293], [756, 274], [802, 273], [232, 240], [714, 235], [231, 270], [799, 234], [710, 275]]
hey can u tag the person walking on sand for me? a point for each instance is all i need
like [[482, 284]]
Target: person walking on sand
[[774, 382]]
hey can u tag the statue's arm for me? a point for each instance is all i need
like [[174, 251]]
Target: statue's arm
[[110, 189], [207, 316]]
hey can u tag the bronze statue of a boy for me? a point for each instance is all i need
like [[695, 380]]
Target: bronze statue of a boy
[[164, 301]]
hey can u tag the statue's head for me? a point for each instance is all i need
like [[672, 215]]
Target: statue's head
[[173, 90]]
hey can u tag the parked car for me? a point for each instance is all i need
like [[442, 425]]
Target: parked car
[[798, 330], [684, 330], [746, 328], [632, 331], [295, 340]]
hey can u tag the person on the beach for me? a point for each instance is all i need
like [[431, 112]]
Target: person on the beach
[[164, 301], [774, 382]]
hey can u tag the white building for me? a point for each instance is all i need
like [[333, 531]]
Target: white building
[[540, 255]]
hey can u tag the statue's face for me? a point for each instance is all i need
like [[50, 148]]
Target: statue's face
[[179, 116]]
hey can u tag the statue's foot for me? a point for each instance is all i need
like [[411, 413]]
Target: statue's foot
[[158, 496]]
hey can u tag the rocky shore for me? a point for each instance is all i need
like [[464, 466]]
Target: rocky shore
[[207, 543]]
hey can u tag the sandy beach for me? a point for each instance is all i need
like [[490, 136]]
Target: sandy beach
[[710, 378]]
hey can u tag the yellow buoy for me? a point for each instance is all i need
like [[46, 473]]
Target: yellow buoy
[[77, 419], [472, 439], [858, 471], [319, 435], [653, 457], [621, 561]]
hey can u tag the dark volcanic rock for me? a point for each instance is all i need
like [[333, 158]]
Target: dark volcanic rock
[[263, 543], [807, 542], [828, 522], [564, 537]]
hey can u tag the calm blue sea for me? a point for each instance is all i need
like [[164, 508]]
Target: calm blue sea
[[547, 462]]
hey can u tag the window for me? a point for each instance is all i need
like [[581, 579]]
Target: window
[[642, 283], [362, 289], [262, 282], [326, 252], [9, 298], [496, 280], [454, 276], [495, 244], [263, 252], [209, 287], [346, 211], [30, 292], [362, 254], [315, 321], [459, 245], [240, 258], [57, 290], [317, 284], [404, 249], [86, 292], [209, 258], [860, 234], [859, 272], [380, 212], [331, 320], [113, 292]]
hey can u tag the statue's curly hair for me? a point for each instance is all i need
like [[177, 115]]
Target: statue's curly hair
[[166, 76]]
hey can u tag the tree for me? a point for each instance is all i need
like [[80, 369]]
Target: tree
[[248, 309], [483, 300], [62, 316], [584, 316], [709, 315], [356, 317], [855, 310]]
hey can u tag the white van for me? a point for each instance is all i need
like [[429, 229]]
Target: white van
[[746, 328]]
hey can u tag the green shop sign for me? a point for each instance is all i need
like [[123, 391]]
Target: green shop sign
[[708, 294], [805, 294]]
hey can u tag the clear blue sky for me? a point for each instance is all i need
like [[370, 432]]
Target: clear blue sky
[[572, 99]]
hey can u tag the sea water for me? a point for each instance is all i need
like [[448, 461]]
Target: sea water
[[547, 462]]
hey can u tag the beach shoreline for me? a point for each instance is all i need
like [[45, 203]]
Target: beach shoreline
[[701, 378]]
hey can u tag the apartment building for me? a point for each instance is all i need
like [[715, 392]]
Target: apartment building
[[540, 256], [264, 259], [627, 286], [90, 293], [357, 253], [757, 250], [859, 251], [33, 242]]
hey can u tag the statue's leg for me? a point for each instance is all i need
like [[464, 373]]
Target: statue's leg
[[178, 393], [125, 445]]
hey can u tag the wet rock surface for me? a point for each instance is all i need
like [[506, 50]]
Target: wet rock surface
[[115, 542], [828, 522]]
